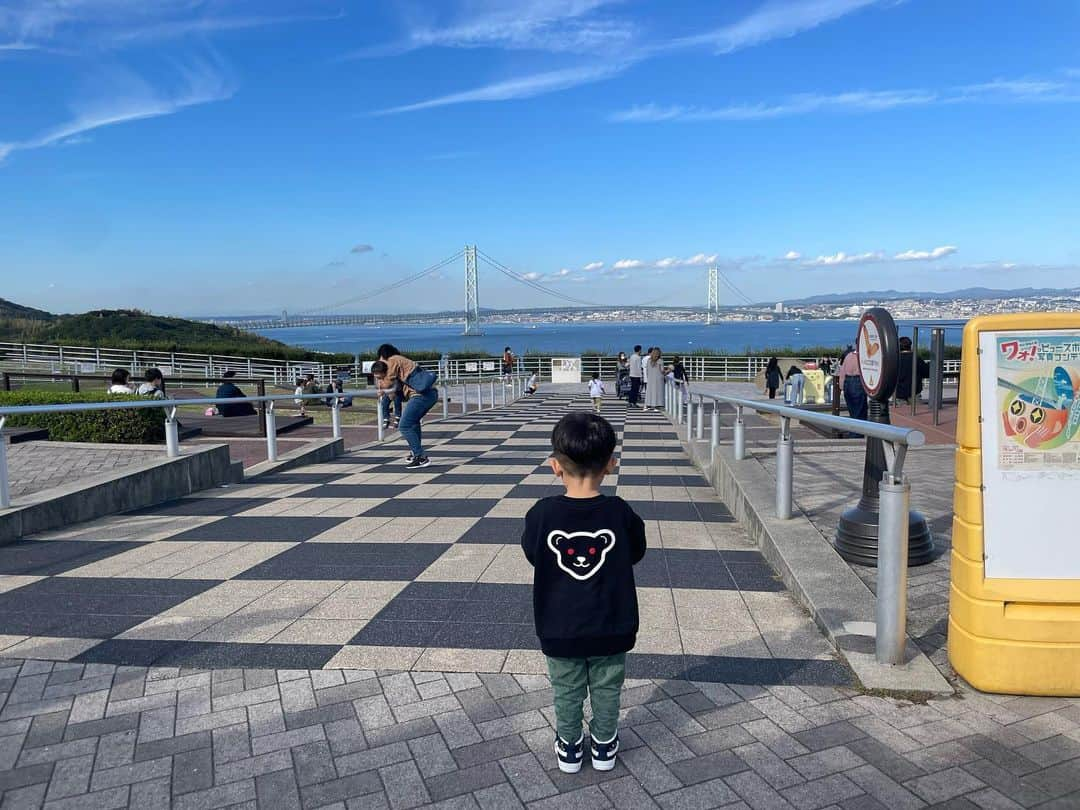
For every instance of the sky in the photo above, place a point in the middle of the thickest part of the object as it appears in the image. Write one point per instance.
(202, 157)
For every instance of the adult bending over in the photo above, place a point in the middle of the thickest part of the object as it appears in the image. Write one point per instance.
(392, 370)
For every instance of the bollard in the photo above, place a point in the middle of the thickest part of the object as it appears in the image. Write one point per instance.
(502, 399)
(172, 434)
(667, 403)
(271, 433)
(714, 427)
(445, 401)
(700, 418)
(891, 609)
(689, 419)
(379, 429)
(5, 489)
(740, 434)
(335, 416)
(784, 458)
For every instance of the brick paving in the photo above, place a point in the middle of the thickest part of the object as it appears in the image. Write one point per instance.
(34, 466)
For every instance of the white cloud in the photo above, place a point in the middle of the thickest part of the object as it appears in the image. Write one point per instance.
(591, 266)
(531, 276)
(925, 255)
(700, 260)
(520, 87)
(669, 262)
(562, 273)
(628, 264)
(792, 255)
(841, 258)
(121, 96)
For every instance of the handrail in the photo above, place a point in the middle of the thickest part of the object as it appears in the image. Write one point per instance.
(172, 438)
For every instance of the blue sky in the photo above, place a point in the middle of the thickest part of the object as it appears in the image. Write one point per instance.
(228, 156)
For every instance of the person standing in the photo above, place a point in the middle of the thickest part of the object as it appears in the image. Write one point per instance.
(635, 370)
(596, 391)
(654, 380)
(507, 365)
(392, 370)
(678, 372)
(904, 388)
(773, 377)
(583, 547)
(851, 384)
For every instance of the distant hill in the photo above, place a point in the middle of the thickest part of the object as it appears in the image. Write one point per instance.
(133, 329)
(976, 293)
(9, 309)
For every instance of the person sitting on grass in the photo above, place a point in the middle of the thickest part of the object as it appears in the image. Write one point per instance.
(120, 382)
(583, 547)
(229, 390)
(153, 386)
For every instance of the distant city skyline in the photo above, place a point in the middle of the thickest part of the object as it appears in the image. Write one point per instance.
(234, 156)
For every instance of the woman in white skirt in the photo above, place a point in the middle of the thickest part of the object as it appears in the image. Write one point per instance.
(654, 381)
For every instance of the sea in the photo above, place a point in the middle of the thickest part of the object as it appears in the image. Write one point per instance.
(584, 338)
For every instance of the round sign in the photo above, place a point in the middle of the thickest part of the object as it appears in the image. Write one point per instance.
(879, 353)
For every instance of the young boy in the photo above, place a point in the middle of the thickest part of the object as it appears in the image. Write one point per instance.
(596, 391)
(583, 546)
(532, 384)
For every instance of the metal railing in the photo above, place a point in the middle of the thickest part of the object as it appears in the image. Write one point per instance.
(894, 488)
(511, 389)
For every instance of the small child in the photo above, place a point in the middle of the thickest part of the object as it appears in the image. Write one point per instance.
(299, 392)
(583, 546)
(532, 384)
(596, 391)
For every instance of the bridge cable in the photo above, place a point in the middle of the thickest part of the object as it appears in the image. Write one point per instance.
(513, 274)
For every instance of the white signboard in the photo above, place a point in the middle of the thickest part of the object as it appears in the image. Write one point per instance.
(566, 369)
(1030, 407)
(870, 355)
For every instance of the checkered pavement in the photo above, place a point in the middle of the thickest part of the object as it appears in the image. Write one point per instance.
(359, 563)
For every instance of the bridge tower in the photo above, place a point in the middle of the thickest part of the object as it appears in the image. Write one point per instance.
(472, 294)
(713, 309)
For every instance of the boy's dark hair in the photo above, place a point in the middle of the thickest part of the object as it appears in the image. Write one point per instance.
(637, 349)
(905, 344)
(386, 351)
(583, 443)
(379, 367)
(596, 375)
(229, 374)
(153, 374)
(121, 376)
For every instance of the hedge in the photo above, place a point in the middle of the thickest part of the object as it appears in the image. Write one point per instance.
(129, 426)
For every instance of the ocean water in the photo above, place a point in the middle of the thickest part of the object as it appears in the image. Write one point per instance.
(571, 339)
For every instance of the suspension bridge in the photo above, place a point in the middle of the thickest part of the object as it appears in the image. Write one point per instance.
(471, 314)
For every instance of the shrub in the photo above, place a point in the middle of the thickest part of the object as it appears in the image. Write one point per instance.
(129, 426)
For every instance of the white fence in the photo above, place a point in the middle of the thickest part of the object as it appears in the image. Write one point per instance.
(62, 360)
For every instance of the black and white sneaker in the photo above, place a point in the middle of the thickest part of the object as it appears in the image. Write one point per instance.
(409, 458)
(603, 753)
(418, 463)
(569, 754)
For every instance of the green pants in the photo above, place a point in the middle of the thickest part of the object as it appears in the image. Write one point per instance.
(602, 679)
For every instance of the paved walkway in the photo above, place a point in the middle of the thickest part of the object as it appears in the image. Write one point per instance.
(349, 636)
(34, 466)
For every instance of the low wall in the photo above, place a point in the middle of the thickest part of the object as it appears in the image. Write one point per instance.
(133, 487)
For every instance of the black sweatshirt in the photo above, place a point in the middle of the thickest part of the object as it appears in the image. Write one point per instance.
(583, 552)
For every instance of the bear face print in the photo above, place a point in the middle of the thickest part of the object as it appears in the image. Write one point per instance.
(581, 554)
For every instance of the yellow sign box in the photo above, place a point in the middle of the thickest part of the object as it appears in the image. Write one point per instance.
(1014, 606)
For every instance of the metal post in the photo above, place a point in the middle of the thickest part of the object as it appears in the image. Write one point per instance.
(335, 416)
(379, 418)
(492, 392)
(172, 434)
(5, 490)
(740, 434)
(914, 366)
(271, 433)
(714, 427)
(700, 418)
(891, 608)
(502, 399)
(667, 401)
(689, 418)
(479, 396)
(445, 401)
(784, 458)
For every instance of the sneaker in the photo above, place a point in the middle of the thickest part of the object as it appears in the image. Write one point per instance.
(603, 754)
(569, 754)
(409, 459)
(417, 463)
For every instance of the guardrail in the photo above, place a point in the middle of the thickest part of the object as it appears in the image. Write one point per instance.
(511, 388)
(894, 488)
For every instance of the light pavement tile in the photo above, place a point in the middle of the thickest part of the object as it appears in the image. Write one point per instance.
(120, 564)
(425, 491)
(776, 611)
(653, 538)
(443, 659)
(670, 494)
(224, 599)
(319, 631)
(169, 628)
(351, 507)
(277, 507)
(492, 491)
(455, 491)
(357, 656)
(10, 641)
(255, 629)
(235, 562)
(316, 507)
(712, 610)
(462, 562)
(545, 478)
(658, 641)
(509, 566)
(730, 537)
(526, 662)
(703, 495)
(351, 531)
(290, 600)
(376, 590)
(145, 528)
(724, 643)
(634, 493)
(444, 530)
(512, 507)
(50, 648)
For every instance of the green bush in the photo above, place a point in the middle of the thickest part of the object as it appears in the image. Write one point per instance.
(128, 426)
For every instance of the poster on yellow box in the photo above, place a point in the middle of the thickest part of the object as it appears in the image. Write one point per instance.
(1030, 404)
(1038, 383)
